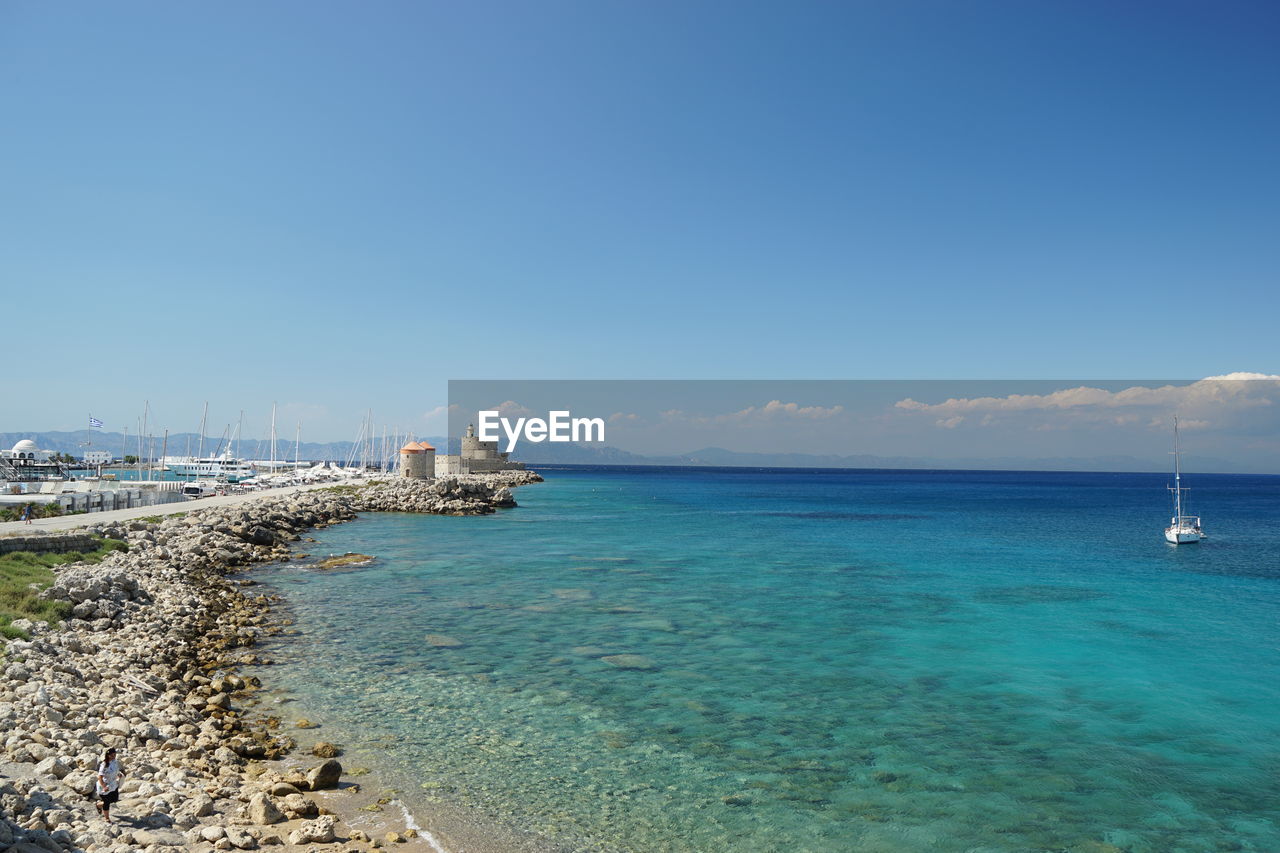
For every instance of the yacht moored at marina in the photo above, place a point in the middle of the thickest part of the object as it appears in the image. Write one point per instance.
(222, 466)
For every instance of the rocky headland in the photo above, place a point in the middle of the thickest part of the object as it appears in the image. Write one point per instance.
(148, 661)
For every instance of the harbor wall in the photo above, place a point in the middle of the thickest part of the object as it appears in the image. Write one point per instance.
(49, 543)
(452, 465)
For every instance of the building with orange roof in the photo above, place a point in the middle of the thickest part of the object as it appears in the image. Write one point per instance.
(418, 461)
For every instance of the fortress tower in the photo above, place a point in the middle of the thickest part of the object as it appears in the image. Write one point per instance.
(476, 457)
(475, 449)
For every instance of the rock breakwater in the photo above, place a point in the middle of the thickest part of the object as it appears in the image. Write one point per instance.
(147, 663)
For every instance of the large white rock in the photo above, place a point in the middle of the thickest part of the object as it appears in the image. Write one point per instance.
(118, 726)
(52, 766)
(261, 810)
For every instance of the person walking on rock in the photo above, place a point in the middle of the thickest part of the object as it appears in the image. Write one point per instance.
(108, 785)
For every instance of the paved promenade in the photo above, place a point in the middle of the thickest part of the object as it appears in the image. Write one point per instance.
(70, 522)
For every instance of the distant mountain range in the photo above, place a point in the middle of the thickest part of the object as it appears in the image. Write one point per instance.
(180, 444)
(548, 453)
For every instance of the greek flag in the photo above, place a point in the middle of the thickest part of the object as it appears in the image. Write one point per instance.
(94, 423)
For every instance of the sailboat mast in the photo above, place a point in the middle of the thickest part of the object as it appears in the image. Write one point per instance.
(1177, 472)
(146, 410)
(203, 418)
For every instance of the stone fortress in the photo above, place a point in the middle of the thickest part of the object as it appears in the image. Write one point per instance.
(419, 460)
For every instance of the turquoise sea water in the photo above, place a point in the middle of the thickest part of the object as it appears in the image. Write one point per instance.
(729, 660)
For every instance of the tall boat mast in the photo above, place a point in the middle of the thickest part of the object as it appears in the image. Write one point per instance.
(204, 417)
(146, 410)
(273, 438)
(1177, 472)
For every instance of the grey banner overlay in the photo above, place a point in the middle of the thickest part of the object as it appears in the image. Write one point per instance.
(1228, 424)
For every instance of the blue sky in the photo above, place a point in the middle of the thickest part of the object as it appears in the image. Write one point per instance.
(340, 206)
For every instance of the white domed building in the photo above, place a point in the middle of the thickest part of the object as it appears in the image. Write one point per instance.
(27, 462)
(26, 449)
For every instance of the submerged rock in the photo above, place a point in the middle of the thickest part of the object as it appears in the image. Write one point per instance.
(443, 641)
(629, 661)
(657, 623)
(343, 561)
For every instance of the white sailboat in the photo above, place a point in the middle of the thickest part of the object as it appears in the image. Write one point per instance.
(1182, 529)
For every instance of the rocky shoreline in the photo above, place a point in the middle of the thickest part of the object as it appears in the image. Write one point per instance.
(147, 663)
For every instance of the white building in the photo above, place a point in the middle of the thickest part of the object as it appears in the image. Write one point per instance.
(26, 462)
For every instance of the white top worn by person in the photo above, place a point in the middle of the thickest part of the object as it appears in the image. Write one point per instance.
(108, 777)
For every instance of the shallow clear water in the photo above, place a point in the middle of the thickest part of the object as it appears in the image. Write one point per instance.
(824, 661)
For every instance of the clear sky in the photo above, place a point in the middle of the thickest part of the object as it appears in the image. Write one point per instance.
(339, 206)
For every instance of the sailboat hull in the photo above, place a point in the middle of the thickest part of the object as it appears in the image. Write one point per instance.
(1182, 537)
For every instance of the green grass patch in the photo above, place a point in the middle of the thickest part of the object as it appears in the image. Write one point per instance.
(20, 569)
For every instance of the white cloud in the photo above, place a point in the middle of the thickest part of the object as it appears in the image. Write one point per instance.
(439, 415)
(781, 409)
(510, 408)
(1202, 403)
(771, 412)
